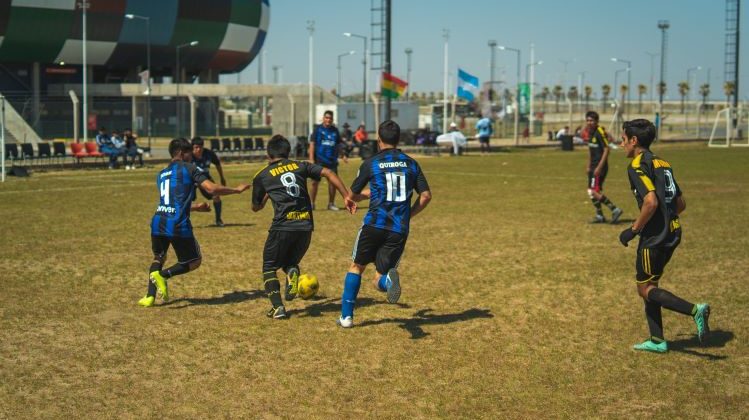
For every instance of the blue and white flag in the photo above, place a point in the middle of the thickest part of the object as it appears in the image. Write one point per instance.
(467, 85)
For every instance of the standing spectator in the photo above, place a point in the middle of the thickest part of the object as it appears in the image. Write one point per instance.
(203, 158)
(485, 130)
(361, 135)
(324, 149)
(132, 148)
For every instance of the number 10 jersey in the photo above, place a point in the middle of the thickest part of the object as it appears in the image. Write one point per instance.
(392, 176)
(285, 182)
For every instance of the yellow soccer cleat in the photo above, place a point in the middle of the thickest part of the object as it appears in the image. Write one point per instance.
(160, 283)
(146, 301)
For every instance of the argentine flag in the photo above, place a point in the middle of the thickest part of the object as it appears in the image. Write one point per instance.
(467, 84)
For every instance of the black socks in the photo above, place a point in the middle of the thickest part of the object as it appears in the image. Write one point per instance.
(272, 288)
(670, 301)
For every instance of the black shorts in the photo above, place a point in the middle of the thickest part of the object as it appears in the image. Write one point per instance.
(333, 167)
(484, 139)
(383, 247)
(187, 249)
(595, 183)
(205, 194)
(285, 249)
(652, 261)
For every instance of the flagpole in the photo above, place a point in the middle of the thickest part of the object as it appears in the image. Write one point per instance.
(446, 35)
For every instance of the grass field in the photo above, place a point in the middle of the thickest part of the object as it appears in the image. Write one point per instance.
(513, 305)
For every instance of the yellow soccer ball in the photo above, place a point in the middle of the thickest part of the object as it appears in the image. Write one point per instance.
(308, 286)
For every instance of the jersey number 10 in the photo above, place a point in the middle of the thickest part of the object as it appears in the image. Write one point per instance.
(396, 185)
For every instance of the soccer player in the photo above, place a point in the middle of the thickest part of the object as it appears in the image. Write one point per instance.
(392, 176)
(284, 182)
(324, 148)
(660, 201)
(203, 158)
(171, 223)
(598, 167)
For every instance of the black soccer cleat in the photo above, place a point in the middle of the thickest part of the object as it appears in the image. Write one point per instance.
(277, 313)
(393, 286)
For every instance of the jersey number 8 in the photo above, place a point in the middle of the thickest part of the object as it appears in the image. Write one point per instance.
(289, 181)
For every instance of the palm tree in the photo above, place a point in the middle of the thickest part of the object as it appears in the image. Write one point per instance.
(683, 90)
(641, 91)
(572, 94)
(605, 92)
(623, 89)
(729, 88)
(558, 92)
(588, 93)
(705, 92)
(545, 93)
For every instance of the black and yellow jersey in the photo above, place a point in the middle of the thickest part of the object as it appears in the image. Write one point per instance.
(285, 182)
(597, 143)
(649, 173)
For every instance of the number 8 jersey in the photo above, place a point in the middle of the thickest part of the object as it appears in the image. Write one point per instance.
(392, 176)
(285, 182)
(649, 173)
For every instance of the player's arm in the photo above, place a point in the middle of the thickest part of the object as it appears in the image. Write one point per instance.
(311, 150)
(338, 184)
(425, 194)
(646, 189)
(681, 204)
(201, 207)
(259, 195)
(359, 190)
(218, 190)
(217, 162)
(257, 207)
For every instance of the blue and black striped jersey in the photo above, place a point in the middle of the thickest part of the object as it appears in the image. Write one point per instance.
(176, 188)
(392, 176)
(327, 144)
(205, 160)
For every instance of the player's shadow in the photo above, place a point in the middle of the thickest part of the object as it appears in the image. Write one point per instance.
(225, 226)
(424, 317)
(624, 221)
(717, 339)
(237, 296)
(324, 304)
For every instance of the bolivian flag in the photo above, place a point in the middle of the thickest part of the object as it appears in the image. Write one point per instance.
(392, 87)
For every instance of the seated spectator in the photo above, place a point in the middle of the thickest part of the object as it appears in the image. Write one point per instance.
(563, 132)
(453, 138)
(108, 147)
(133, 151)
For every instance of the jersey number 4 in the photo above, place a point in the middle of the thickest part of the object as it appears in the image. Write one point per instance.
(396, 185)
(164, 189)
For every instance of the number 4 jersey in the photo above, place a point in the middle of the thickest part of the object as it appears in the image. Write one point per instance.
(285, 182)
(649, 173)
(392, 176)
(176, 186)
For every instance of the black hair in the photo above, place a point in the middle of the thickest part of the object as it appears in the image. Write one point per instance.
(641, 128)
(592, 114)
(179, 145)
(102, 128)
(328, 112)
(278, 147)
(389, 132)
(197, 141)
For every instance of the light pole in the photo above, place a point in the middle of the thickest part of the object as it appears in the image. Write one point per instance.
(364, 75)
(311, 29)
(446, 36)
(84, 5)
(616, 78)
(179, 79)
(338, 92)
(565, 63)
(276, 70)
(689, 80)
(517, 92)
(408, 52)
(629, 75)
(663, 25)
(652, 74)
(517, 51)
(492, 51)
(147, 19)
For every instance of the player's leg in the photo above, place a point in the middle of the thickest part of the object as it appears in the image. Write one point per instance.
(594, 192)
(271, 256)
(159, 246)
(367, 242)
(616, 212)
(387, 261)
(331, 191)
(656, 343)
(189, 258)
(297, 249)
(313, 192)
(217, 208)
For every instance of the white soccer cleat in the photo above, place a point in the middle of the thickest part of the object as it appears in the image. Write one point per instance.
(347, 322)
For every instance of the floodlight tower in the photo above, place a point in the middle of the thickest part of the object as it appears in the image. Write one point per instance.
(733, 17)
(663, 25)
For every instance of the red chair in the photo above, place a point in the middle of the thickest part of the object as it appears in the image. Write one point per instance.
(78, 152)
(93, 150)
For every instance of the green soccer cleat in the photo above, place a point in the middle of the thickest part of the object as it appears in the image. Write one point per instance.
(701, 319)
(652, 346)
(160, 283)
(292, 283)
(146, 301)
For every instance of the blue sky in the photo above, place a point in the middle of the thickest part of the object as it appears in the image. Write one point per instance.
(587, 31)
